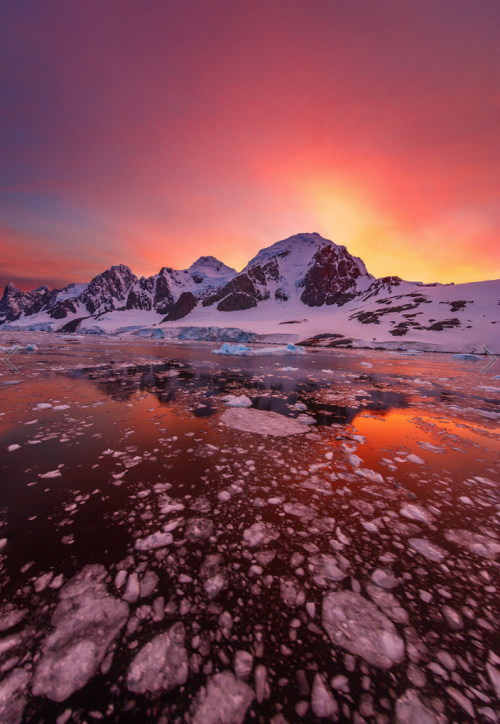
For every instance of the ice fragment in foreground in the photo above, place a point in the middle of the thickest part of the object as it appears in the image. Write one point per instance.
(13, 697)
(481, 545)
(261, 422)
(87, 619)
(411, 710)
(323, 702)
(358, 626)
(157, 540)
(161, 664)
(428, 549)
(225, 700)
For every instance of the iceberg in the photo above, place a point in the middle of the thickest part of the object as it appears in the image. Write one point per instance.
(241, 350)
(467, 357)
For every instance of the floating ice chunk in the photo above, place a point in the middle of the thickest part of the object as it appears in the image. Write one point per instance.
(120, 578)
(199, 529)
(262, 688)
(224, 496)
(481, 545)
(241, 350)
(291, 593)
(42, 582)
(366, 364)
(369, 475)
(262, 423)
(214, 585)
(428, 549)
(148, 584)
(358, 626)
(306, 420)
(161, 664)
(132, 589)
(323, 703)
(388, 603)
(241, 401)
(467, 357)
(415, 459)
(328, 567)
(299, 510)
(11, 448)
(415, 512)
(43, 406)
(13, 696)
(453, 618)
(260, 534)
(288, 369)
(51, 474)
(156, 540)
(87, 619)
(432, 448)
(243, 664)
(300, 406)
(494, 675)
(11, 617)
(224, 700)
(383, 579)
(233, 350)
(461, 700)
(354, 460)
(410, 709)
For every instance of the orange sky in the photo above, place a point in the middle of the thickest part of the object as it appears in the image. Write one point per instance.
(152, 133)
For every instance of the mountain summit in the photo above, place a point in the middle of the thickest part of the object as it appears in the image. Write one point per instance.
(304, 280)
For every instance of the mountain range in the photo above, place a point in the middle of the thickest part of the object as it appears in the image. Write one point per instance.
(306, 281)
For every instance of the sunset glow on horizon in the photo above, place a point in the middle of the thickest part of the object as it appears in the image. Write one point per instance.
(153, 133)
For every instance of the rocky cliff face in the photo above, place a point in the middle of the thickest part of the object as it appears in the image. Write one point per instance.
(305, 266)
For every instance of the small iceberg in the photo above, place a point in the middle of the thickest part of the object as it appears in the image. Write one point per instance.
(467, 357)
(241, 350)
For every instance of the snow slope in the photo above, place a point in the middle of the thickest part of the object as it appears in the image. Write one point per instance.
(295, 290)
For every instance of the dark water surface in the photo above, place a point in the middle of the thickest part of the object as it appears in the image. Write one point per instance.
(356, 563)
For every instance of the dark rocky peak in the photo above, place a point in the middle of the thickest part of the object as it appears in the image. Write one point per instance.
(15, 302)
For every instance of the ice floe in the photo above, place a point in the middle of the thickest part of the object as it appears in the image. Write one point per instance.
(427, 549)
(262, 423)
(241, 350)
(358, 626)
(224, 700)
(161, 664)
(86, 621)
(481, 545)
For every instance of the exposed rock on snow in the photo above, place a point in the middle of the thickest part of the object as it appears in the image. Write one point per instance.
(161, 664)
(262, 423)
(358, 626)
(225, 700)
(87, 619)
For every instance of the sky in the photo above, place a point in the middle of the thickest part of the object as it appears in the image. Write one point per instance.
(151, 132)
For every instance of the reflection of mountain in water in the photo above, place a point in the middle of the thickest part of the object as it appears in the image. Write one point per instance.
(168, 379)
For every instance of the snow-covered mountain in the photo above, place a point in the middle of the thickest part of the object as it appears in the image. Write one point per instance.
(305, 288)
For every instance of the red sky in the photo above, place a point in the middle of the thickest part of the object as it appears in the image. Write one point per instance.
(152, 132)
